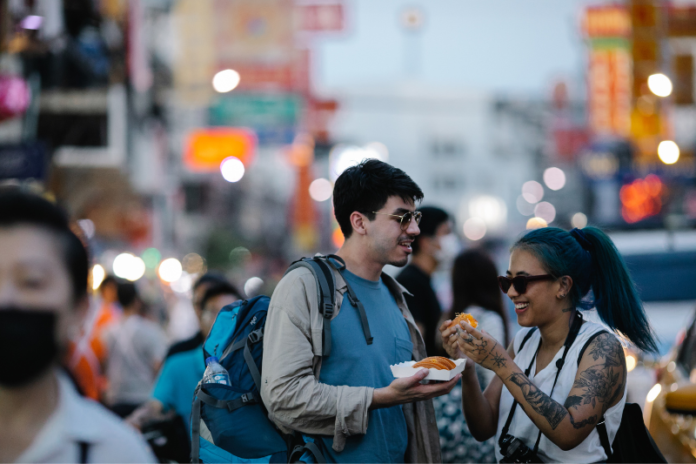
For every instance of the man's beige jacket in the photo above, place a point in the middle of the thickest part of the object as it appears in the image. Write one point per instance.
(296, 400)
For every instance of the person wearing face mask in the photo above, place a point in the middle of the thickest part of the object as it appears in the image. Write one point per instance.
(43, 297)
(428, 254)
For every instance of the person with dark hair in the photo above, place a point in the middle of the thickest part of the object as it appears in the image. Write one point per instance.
(182, 371)
(136, 348)
(567, 375)
(87, 353)
(427, 255)
(43, 296)
(474, 283)
(201, 285)
(349, 400)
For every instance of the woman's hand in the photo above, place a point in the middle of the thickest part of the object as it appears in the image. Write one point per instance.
(479, 347)
(449, 336)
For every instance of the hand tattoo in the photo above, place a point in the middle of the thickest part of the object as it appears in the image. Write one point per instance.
(480, 348)
(539, 401)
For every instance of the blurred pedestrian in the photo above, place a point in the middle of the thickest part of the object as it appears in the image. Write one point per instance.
(475, 291)
(43, 297)
(428, 253)
(199, 288)
(87, 353)
(136, 349)
(567, 375)
(182, 371)
(349, 400)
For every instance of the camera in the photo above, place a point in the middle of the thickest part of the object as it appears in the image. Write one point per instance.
(514, 450)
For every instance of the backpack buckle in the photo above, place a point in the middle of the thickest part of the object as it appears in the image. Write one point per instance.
(247, 397)
(328, 310)
(255, 336)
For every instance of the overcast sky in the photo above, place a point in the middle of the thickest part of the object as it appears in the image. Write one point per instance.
(510, 46)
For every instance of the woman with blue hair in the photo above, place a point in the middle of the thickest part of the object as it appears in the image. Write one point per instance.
(560, 387)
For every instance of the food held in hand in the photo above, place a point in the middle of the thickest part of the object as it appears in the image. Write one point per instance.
(436, 362)
(468, 318)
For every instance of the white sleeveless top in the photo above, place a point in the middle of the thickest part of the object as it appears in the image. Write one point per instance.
(590, 450)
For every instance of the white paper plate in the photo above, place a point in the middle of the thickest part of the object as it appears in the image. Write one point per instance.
(406, 369)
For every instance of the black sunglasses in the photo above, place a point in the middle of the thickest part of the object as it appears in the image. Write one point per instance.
(520, 282)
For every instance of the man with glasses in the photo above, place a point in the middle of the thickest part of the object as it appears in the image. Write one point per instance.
(349, 403)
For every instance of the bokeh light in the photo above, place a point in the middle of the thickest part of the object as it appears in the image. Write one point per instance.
(337, 237)
(239, 256)
(545, 211)
(232, 169)
(524, 207)
(193, 263)
(128, 266)
(579, 220)
(226, 80)
(151, 257)
(252, 287)
(668, 152)
(490, 209)
(98, 274)
(345, 156)
(183, 284)
(170, 270)
(320, 189)
(641, 198)
(474, 228)
(660, 85)
(536, 223)
(554, 178)
(532, 191)
(87, 227)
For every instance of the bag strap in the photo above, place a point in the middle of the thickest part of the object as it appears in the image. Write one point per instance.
(246, 399)
(340, 265)
(196, 427)
(84, 447)
(570, 339)
(309, 447)
(253, 337)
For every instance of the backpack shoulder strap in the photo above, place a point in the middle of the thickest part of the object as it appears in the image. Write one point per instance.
(340, 265)
(326, 294)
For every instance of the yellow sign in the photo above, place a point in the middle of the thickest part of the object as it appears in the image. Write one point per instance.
(207, 148)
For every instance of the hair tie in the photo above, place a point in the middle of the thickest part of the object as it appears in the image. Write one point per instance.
(581, 238)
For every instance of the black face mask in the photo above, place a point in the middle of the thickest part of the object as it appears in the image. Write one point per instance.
(27, 345)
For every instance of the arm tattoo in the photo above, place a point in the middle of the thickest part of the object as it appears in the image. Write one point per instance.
(539, 401)
(498, 360)
(603, 382)
(589, 421)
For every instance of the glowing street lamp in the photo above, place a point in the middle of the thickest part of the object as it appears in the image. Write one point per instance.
(660, 85)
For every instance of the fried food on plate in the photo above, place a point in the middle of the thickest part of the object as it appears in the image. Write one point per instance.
(436, 362)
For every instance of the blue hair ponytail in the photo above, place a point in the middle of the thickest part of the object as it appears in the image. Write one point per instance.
(590, 258)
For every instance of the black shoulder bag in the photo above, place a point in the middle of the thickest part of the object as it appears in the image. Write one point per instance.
(513, 449)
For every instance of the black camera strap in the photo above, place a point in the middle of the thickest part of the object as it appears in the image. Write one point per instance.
(570, 339)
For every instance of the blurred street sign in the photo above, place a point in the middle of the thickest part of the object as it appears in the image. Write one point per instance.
(207, 148)
(289, 76)
(274, 117)
(609, 79)
(681, 20)
(321, 17)
(23, 161)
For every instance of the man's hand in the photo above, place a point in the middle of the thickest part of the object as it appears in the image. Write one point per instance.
(409, 389)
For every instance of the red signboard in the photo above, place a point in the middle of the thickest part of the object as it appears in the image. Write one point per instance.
(323, 17)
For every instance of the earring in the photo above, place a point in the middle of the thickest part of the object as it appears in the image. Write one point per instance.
(561, 296)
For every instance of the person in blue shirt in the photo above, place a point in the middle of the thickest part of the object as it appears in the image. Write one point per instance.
(182, 371)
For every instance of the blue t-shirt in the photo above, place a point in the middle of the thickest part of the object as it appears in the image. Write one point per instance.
(178, 379)
(353, 362)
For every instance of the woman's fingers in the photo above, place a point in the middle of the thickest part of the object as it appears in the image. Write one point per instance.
(474, 333)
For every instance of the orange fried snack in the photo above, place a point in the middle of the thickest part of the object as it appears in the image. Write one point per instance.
(436, 362)
(466, 318)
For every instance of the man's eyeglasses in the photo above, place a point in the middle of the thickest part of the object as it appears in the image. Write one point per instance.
(405, 219)
(520, 282)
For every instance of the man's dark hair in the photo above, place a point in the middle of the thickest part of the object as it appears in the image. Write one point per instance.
(127, 294)
(221, 288)
(19, 208)
(211, 277)
(432, 219)
(367, 187)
